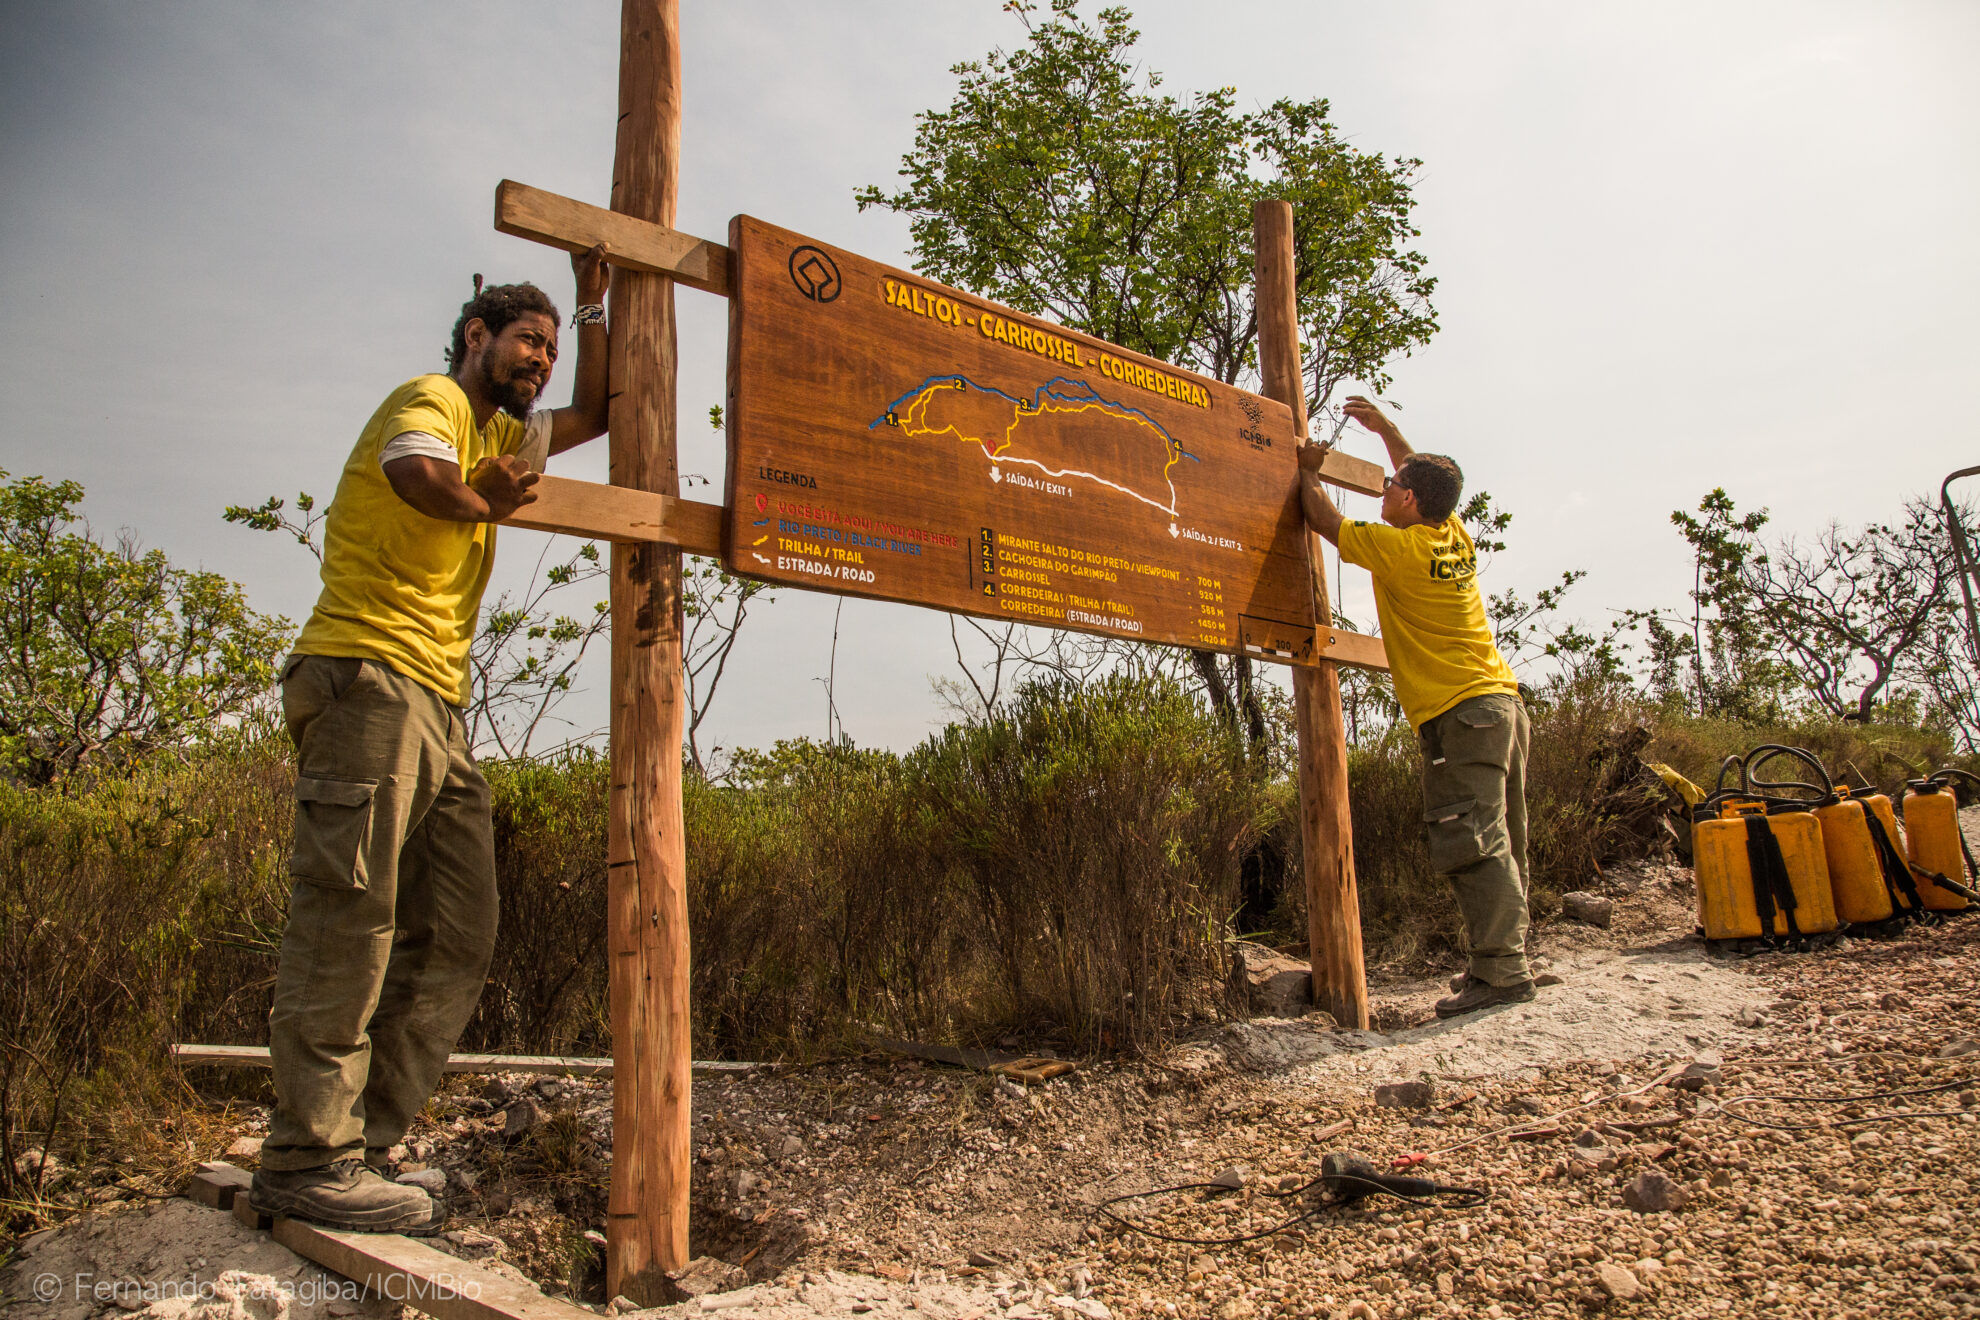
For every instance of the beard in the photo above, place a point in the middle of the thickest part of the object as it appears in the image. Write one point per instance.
(513, 394)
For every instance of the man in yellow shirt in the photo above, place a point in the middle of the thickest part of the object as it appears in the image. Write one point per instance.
(392, 911)
(1456, 691)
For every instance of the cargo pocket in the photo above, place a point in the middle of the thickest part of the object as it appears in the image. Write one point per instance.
(1453, 834)
(333, 822)
(1483, 736)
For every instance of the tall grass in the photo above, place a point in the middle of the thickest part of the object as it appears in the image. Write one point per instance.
(1067, 867)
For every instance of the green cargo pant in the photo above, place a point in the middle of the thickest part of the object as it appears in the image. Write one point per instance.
(392, 914)
(1474, 808)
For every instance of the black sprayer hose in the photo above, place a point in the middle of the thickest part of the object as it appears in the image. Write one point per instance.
(1770, 751)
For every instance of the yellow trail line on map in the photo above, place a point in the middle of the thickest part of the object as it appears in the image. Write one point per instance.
(914, 426)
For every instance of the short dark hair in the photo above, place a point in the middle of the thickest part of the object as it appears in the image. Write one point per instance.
(496, 306)
(1435, 481)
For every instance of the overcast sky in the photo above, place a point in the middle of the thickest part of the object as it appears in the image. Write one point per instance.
(1678, 246)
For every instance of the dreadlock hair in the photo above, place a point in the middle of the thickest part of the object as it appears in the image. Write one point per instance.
(1435, 480)
(496, 306)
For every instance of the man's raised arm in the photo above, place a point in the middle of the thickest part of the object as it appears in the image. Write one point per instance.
(1314, 505)
(1363, 410)
(587, 416)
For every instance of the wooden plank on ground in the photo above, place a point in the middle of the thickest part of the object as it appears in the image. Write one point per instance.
(256, 1056)
(217, 1184)
(249, 1217)
(1034, 1071)
(400, 1269)
(954, 1056)
(389, 1266)
(635, 244)
(616, 513)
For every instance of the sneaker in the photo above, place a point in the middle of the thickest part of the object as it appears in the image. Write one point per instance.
(1479, 994)
(345, 1195)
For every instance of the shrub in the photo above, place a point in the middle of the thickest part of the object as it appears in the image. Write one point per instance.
(546, 979)
(129, 908)
(1098, 832)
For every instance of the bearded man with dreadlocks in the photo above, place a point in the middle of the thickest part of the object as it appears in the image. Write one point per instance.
(392, 911)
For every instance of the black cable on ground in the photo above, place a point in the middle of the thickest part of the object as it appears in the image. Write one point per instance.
(1894, 1116)
(1472, 1198)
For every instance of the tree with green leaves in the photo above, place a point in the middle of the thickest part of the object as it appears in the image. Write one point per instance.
(107, 652)
(1728, 666)
(1063, 181)
(525, 656)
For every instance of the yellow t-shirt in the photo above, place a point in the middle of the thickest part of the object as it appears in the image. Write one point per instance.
(400, 587)
(1433, 623)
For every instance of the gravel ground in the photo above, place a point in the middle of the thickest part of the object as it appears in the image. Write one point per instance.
(884, 1186)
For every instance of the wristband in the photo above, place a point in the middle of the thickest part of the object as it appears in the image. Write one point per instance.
(589, 314)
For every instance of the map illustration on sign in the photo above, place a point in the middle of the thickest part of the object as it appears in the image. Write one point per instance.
(894, 438)
(1056, 434)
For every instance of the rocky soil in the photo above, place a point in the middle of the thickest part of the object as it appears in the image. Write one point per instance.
(1668, 1131)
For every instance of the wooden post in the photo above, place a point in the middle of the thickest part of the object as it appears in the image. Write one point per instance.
(1333, 908)
(646, 1231)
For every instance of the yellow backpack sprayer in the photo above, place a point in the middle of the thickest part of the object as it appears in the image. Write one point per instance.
(1937, 850)
(1868, 874)
(1763, 873)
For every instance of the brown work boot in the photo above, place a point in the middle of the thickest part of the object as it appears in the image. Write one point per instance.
(1479, 994)
(345, 1195)
(1462, 979)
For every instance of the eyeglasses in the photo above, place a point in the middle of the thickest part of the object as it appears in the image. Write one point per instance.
(1388, 482)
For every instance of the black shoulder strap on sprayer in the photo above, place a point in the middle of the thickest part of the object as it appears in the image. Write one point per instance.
(1771, 884)
(1897, 872)
(1945, 775)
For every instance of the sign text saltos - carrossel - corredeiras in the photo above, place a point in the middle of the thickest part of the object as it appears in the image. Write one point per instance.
(892, 437)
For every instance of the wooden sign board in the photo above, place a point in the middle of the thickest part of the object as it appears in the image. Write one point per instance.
(895, 438)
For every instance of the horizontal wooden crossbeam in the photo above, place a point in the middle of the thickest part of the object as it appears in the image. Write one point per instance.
(1353, 648)
(618, 513)
(1351, 473)
(563, 222)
